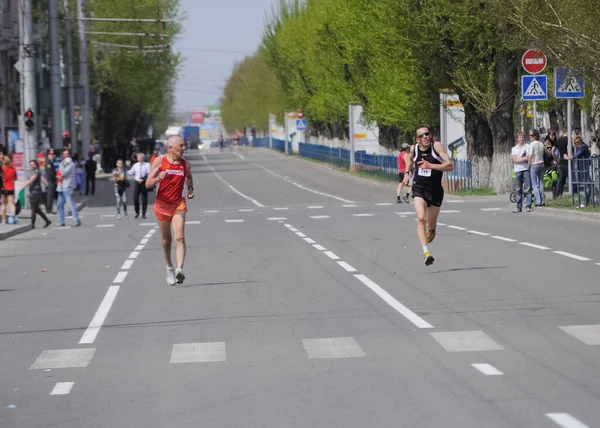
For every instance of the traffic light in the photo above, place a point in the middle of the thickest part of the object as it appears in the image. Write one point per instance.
(29, 124)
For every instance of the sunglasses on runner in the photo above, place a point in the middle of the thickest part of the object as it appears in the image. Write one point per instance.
(425, 134)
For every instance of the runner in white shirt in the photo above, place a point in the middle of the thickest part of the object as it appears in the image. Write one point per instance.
(140, 169)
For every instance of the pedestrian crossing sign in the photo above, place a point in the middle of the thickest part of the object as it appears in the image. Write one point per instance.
(569, 83)
(534, 87)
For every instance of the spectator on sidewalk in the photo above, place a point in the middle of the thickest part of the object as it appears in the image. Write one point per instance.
(537, 167)
(8, 191)
(401, 171)
(35, 193)
(90, 175)
(65, 186)
(50, 175)
(140, 170)
(581, 169)
(563, 164)
(520, 158)
(121, 185)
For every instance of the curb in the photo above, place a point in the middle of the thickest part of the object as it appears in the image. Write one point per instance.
(22, 229)
(568, 214)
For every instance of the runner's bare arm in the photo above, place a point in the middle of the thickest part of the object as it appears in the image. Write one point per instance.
(408, 159)
(154, 175)
(447, 165)
(189, 181)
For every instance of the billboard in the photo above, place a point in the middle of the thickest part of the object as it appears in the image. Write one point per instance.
(366, 134)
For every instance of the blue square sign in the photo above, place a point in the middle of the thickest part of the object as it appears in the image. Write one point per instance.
(301, 124)
(569, 83)
(534, 88)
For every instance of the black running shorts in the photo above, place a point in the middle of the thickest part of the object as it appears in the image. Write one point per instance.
(400, 177)
(433, 196)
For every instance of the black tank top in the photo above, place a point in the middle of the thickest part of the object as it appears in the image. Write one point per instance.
(427, 177)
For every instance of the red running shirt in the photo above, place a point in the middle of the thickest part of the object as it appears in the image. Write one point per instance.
(10, 174)
(170, 189)
(401, 163)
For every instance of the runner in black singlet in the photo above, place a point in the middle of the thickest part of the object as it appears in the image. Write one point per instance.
(430, 160)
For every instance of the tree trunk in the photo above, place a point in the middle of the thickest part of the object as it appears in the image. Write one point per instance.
(501, 119)
(480, 145)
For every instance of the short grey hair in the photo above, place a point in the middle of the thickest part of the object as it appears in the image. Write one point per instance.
(141, 154)
(170, 140)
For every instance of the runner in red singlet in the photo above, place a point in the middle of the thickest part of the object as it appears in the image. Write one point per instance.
(172, 172)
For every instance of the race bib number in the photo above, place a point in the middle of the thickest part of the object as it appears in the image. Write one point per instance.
(425, 172)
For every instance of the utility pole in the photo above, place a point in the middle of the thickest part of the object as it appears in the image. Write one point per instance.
(27, 60)
(84, 80)
(55, 89)
(70, 79)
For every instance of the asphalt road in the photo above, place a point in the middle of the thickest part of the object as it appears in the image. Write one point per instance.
(306, 304)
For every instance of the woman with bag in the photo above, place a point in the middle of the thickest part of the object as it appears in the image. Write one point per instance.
(35, 193)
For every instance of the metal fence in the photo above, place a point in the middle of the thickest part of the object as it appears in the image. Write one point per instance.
(585, 180)
(384, 167)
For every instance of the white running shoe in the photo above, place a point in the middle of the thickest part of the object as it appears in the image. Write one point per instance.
(179, 276)
(171, 276)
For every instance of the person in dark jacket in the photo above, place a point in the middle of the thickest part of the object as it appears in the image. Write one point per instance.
(90, 175)
(50, 174)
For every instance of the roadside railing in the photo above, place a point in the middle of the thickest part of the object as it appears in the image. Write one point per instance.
(585, 179)
(383, 167)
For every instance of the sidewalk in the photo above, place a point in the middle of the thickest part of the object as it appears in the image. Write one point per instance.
(102, 187)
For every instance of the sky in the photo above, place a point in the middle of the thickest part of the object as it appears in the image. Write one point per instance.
(215, 35)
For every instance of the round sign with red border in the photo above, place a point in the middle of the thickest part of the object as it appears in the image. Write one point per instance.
(534, 62)
(299, 114)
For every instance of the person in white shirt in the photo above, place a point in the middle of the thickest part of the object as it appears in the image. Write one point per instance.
(536, 166)
(140, 169)
(520, 158)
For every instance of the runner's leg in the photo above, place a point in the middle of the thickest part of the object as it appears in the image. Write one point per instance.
(432, 217)
(421, 210)
(179, 232)
(165, 231)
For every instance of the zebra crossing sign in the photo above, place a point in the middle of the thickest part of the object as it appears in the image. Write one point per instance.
(534, 88)
(569, 83)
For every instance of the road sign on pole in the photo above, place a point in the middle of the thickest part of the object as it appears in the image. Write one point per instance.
(569, 83)
(301, 124)
(534, 88)
(534, 62)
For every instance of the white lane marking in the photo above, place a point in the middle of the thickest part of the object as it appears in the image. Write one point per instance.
(319, 247)
(363, 215)
(474, 232)
(502, 238)
(147, 224)
(104, 225)
(346, 266)
(234, 220)
(331, 255)
(89, 336)
(399, 307)
(529, 244)
(62, 227)
(588, 334)
(315, 207)
(208, 352)
(310, 241)
(277, 218)
(134, 254)
(63, 359)
(457, 227)
(332, 347)
(211, 211)
(572, 256)
(349, 206)
(384, 204)
(293, 229)
(108, 215)
(597, 264)
(62, 388)
(301, 235)
(442, 224)
(254, 201)
(466, 341)
(289, 226)
(193, 222)
(139, 247)
(246, 210)
(280, 209)
(406, 213)
(144, 241)
(449, 211)
(127, 264)
(317, 217)
(487, 369)
(565, 420)
(491, 209)
(120, 278)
